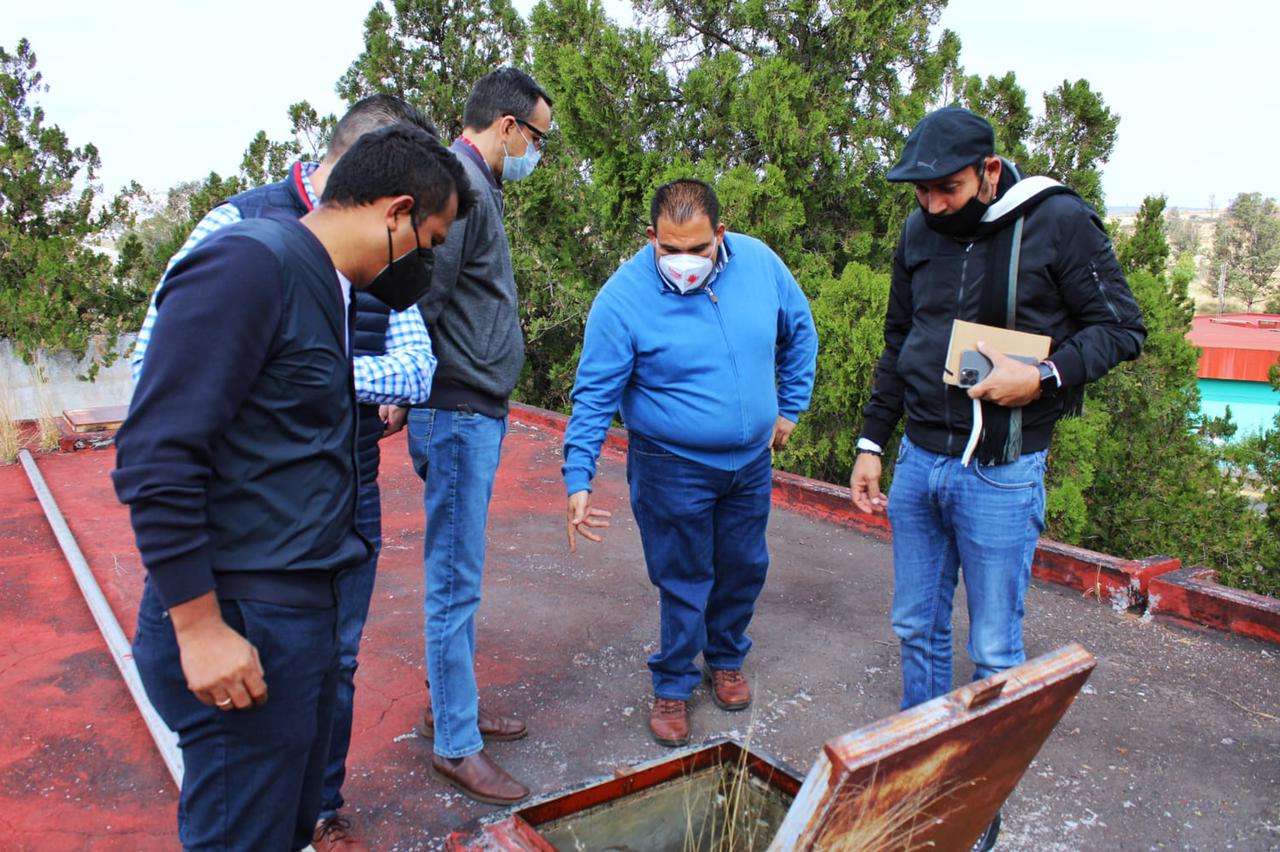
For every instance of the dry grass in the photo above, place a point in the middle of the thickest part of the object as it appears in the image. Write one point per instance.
(10, 432)
(727, 821)
(893, 828)
(47, 434)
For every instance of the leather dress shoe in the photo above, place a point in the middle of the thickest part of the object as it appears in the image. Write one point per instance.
(494, 728)
(730, 689)
(335, 834)
(669, 721)
(478, 776)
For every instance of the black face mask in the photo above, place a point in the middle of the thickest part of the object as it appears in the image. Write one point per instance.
(405, 279)
(961, 223)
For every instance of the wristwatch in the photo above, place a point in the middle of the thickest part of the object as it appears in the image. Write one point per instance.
(1049, 379)
(866, 446)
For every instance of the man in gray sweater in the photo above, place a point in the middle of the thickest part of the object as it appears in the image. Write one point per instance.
(455, 437)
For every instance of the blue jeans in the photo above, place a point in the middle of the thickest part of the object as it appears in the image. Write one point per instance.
(252, 777)
(355, 590)
(456, 454)
(703, 533)
(945, 516)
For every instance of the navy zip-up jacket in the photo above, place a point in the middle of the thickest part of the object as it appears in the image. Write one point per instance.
(286, 200)
(237, 459)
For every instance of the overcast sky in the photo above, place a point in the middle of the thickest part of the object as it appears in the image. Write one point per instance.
(169, 90)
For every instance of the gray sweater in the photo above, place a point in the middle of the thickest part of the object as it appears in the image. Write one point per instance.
(471, 309)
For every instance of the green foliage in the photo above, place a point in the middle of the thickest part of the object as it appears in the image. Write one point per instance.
(1077, 135)
(1246, 249)
(789, 112)
(311, 131)
(266, 161)
(1258, 459)
(430, 52)
(1183, 233)
(1156, 488)
(1071, 473)
(794, 113)
(145, 249)
(1146, 248)
(56, 285)
(1004, 103)
(848, 312)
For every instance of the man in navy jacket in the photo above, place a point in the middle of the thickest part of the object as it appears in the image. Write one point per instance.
(393, 366)
(238, 463)
(705, 344)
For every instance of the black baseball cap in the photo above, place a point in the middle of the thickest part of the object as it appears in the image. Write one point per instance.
(944, 142)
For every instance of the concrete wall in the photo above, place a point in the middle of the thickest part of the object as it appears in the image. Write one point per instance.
(28, 398)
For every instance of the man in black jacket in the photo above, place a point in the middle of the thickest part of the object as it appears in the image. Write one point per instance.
(977, 223)
(238, 463)
(987, 247)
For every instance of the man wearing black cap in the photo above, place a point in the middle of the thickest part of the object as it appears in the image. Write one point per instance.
(991, 247)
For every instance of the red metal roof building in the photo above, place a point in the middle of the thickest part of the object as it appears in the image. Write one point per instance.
(1240, 347)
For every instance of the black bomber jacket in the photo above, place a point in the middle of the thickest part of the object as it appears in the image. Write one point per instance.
(1070, 287)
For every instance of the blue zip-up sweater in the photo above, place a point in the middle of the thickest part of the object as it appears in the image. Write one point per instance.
(703, 374)
(237, 460)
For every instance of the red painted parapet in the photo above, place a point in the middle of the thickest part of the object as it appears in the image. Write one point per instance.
(1121, 582)
(1160, 582)
(554, 421)
(1193, 595)
(824, 501)
(798, 493)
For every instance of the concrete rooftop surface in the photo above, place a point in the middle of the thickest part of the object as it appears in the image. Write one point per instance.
(1173, 744)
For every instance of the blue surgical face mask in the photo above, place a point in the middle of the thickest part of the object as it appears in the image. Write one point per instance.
(519, 168)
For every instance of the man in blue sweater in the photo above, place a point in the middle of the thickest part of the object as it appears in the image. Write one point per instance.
(238, 463)
(705, 344)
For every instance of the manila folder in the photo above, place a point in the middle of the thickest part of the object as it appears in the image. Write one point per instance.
(965, 336)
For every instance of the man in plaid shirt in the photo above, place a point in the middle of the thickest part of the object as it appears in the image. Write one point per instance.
(393, 367)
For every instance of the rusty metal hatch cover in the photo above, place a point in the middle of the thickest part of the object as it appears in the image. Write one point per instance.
(931, 777)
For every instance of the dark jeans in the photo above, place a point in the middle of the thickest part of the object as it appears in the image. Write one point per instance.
(355, 589)
(252, 777)
(703, 533)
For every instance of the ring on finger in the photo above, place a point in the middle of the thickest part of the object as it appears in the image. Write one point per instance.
(224, 703)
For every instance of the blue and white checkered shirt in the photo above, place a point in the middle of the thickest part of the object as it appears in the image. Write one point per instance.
(400, 377)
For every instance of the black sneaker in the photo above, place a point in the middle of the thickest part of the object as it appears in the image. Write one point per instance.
(987, 839)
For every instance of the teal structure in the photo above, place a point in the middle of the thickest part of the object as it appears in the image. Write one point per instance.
(1254, 405)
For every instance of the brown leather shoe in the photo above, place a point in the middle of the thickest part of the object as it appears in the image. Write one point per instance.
(494, 728)
(730, 689)
(336, 835)
(669, 721)
(481, 778)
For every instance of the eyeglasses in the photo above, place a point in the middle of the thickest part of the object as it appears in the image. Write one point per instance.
(539, 138)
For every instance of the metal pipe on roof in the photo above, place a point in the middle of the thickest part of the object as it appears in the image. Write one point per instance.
(165, 739)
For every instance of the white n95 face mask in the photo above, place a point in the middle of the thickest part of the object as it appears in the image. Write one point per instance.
(685, 272)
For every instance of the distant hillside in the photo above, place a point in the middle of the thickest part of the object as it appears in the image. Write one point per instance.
(1198, 224)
